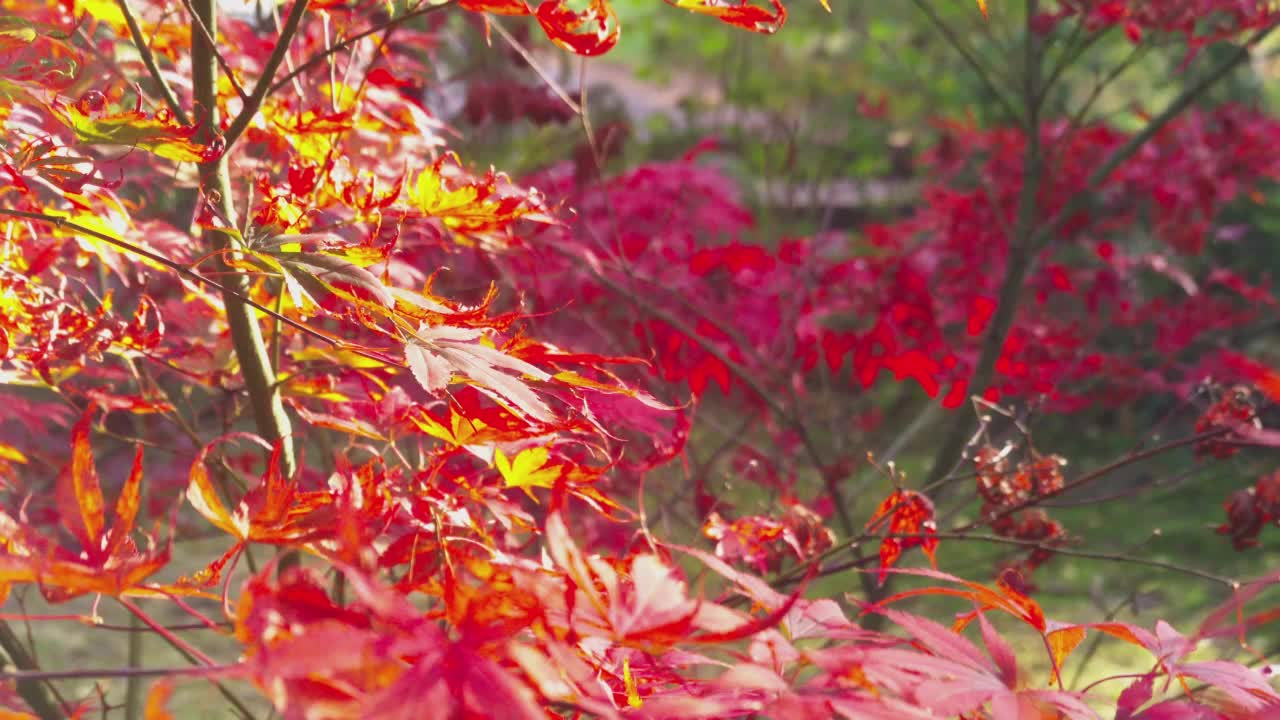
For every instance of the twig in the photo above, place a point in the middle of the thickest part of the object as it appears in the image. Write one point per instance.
(205, 664)
(422, 9)
(539, 71)
(187, 272)
(149, 59)
(29, 675)
(1020, 264)
(963, 531)
(177, 642)
(33, 690)
(1040, 545)
(1095, 641)
(218, 56)
(743, 375)
(1135, 143)
(1098, 473)
(264, 84)
(969, 57)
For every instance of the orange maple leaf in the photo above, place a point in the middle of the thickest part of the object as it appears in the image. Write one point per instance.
(108, 561)
(909, 513)
(740, 14)
(273, 511)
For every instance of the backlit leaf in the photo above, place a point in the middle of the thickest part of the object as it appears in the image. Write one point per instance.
(436, 352)
(1062, 642)
(79, 490)
(593, 31)
(528, 469)
(157, 707)
(157, 134)
(908, 513)
(739, 13)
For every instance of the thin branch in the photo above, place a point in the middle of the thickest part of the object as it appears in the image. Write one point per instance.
(34, 690)
(171, 628)
(1135, 143)
(1095, 641)
(29, 675)
(1020, 264)
(970, 58)
(423, 9)
(177, 642)
(1093, 475)
(793, 574)
(1086, 554)
(217, 56)
(205, 664)
(743, 375)
(1113, 74)
(63, 223)
(543, 75)
(264, 84)
(1071, 51)
(149, 59)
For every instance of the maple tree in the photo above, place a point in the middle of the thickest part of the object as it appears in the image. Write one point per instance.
(237, 247)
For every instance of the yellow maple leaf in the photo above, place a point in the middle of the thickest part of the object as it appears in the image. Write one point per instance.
(528, 469)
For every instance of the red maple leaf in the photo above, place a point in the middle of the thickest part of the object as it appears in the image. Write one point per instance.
(910, 514)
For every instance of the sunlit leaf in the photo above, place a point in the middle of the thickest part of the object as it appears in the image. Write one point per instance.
(1062, 642)
(80, 492)
(529, 469)
(435, 353)
(157, 134)
(739, 13)
(590, 32)
(909, 514)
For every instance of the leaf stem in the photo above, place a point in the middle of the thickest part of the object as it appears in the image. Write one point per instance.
(204, 662)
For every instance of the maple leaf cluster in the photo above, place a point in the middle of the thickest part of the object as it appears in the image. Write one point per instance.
(1200, 22)
(1236, 414)
(1250, 509)
(1231, 423)
(1006, 491)
(761, 541)
(910, 523)
(719, 314)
